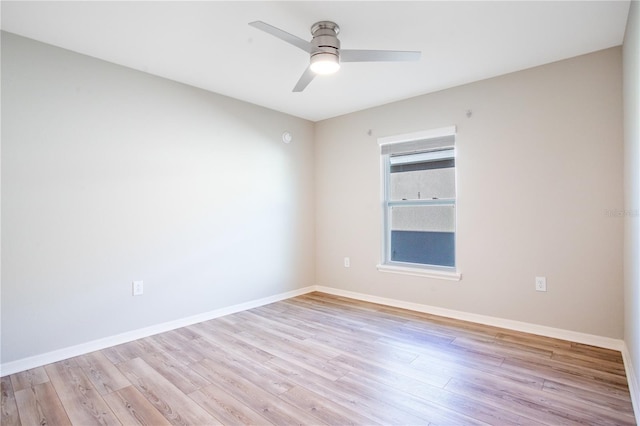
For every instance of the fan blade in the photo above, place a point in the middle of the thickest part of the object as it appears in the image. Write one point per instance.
(305, 79)
(350, 55)
(283, 35)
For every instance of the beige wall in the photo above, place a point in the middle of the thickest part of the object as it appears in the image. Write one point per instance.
(110, 175)
(631, 63)
(539, 166)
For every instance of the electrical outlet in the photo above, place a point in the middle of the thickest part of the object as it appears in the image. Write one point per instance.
(138, 288)
(347, 262)
(541, 284)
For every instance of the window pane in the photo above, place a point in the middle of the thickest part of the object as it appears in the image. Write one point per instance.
(421, 183)
(423, 234)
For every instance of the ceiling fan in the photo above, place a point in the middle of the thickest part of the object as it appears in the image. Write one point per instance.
(325, 53)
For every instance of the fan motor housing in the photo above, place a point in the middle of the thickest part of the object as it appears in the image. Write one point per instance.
(325, 38)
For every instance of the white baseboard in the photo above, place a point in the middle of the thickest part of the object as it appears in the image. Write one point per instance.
(541, 330)
(634, 386)
(96, 345)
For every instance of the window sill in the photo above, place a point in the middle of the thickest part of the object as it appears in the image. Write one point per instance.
(419, 272)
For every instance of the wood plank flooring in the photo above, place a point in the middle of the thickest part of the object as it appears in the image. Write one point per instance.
(319, 359)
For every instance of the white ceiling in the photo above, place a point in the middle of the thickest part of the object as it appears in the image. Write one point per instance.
(208, 44)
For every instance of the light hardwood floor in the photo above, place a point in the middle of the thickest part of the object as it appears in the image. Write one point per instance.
(320, 359)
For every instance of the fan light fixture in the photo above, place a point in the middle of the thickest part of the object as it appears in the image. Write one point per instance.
(324, 63)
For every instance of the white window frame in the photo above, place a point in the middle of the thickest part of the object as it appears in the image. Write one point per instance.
(425, 140)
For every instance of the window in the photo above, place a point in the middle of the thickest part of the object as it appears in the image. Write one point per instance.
(419, 203)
